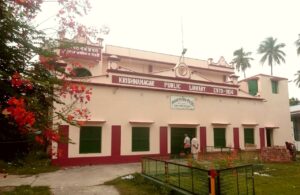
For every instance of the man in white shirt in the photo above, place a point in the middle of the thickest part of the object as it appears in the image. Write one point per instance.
(195, 148)
(187, 144)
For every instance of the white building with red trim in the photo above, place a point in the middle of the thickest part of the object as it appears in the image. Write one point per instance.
(144, 102)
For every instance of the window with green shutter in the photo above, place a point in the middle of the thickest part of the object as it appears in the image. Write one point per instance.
(90, 139)
(140, 139)
(219, 137)
(253, 87)
(249, 135)
(274, 86)
(81, 72)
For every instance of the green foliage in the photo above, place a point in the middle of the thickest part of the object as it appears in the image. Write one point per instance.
(20, 42)
(294, 101)
(242, 60)
(282, 178)
(26, 190)
(271, 52)
(34, 163)
(297, 43)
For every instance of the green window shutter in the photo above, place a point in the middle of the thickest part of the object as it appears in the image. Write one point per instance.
(90, 139)
(219, 137)
(249, 135)
(81, 72)
(274, 86)
(253, 87)
(140, 139)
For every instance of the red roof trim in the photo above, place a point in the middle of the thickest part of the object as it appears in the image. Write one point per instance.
(166, 90)
(169, 78)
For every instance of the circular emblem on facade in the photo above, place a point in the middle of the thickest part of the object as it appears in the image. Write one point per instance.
(182, 70)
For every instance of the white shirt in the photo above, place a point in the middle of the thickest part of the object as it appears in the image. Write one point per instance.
(187, 142)
(195, 146)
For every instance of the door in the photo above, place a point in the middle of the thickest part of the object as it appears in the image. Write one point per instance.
(269, 133)
(177, 137)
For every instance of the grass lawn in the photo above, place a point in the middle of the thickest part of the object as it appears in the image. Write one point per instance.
(25, 190)
(283, 179)
(34, 163)
(272, 179)
(28, 168)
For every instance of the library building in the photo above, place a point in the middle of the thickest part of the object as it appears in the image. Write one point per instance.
(143, 103)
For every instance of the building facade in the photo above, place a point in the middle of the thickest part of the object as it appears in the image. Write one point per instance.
(295, 117)
(144, 102)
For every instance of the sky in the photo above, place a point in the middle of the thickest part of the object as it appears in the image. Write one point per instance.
(207, 28)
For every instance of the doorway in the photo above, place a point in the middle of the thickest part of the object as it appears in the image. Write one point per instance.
(177, 137)
(269, 133)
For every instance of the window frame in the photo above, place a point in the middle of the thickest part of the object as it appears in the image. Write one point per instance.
(217, 140)
(86, 142)
(81, 72)
(138, 142)
(246, 134)
(274, 86)
(253, 87)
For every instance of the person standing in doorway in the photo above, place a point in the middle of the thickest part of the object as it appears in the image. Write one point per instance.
(195, 148)
(187, 144)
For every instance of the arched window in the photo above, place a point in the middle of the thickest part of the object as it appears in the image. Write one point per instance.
(81, 72)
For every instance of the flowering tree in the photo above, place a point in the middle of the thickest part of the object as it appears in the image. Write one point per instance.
(29, 88)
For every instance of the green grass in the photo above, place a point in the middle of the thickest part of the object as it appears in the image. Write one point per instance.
(25, 190)
(284, 178)
(39, 166)
(34, 163)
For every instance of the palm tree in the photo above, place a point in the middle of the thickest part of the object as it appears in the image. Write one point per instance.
(298, 44)
(297, 80)
(242, 60)
(271, 51)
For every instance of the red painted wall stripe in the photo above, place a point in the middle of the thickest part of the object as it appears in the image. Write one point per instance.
(100, 160)
(262, 137)
(163, 141)
(236, 138)
(63, 147)
(202, 139)
(115, 140)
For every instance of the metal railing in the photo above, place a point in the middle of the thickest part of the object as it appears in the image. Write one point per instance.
(193, 180)
(235, 180)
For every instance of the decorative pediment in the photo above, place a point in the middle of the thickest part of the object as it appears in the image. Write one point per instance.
(182, 70)
(222, 62)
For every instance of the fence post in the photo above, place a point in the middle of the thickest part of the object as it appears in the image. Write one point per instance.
(192, 179)
(218, 183)
(143, 161)
(166, 172)
(212, 174)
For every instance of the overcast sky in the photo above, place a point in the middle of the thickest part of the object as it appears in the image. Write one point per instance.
(211, 28)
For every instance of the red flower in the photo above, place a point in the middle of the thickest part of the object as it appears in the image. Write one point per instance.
(16, 80)
(17, 111)
(39, 140)
(70, 118)
(51, 135)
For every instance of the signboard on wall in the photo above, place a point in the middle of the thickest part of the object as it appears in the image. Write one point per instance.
(174, 86)
(182, 103)
(86, 52)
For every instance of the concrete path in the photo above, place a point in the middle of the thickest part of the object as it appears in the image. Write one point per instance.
(86, 180)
